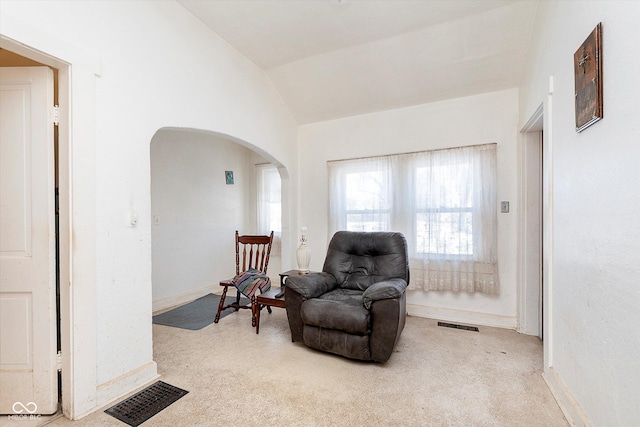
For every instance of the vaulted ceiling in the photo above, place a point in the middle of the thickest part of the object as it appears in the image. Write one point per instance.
(337, 58)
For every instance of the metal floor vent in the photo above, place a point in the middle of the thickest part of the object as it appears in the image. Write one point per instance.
(455, 326)
(146, 403)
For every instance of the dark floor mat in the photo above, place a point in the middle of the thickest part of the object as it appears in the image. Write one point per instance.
(197, 314)
(146, 403)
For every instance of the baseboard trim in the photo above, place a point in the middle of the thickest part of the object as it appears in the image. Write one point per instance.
(462, 316)
(568, 405)
(182, 298)
(116, 389)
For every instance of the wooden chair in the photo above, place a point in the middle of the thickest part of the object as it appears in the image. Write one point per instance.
(254, 252)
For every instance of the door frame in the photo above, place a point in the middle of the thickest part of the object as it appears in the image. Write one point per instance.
(530, 313)
(77, 70)
(540, 122)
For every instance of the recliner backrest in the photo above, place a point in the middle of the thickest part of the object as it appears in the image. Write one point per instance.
(359, 259)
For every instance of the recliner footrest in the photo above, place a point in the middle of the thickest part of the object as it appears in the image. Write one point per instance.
(337, 342)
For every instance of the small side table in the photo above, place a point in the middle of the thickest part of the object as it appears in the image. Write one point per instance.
(284, 275)
(274, 297)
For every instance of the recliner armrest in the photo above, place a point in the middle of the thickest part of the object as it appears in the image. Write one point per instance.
(388, 289)
(311, 285)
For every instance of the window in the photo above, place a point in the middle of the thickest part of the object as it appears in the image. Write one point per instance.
(269, 206)
(443, 201)
(361, 195)
(368, 207)
(444, 214)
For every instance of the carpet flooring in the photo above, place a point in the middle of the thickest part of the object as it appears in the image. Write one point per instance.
(436, 377)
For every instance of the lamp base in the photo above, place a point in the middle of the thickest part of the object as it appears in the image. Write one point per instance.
(303, 257)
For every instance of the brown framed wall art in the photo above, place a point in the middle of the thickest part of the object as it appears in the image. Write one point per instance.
(587, 65)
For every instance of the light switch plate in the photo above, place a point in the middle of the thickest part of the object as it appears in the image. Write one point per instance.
(133, 220)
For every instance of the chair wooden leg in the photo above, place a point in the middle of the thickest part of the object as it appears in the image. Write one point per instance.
(220, 305)
(257, 310)
(254, 304)
(237, 300)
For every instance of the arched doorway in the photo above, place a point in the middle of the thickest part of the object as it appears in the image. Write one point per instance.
(203, 188)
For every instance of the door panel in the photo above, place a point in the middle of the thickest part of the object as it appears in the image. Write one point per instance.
(28, 376)
(15, 170)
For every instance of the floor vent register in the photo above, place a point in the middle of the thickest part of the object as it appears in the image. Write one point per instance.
(145, 404)
(455, 326)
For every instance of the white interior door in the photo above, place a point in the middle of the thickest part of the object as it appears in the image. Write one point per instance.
(28, 375)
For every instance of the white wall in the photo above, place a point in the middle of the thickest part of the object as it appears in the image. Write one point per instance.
(592, 341)
(160, 67)
(487, 118)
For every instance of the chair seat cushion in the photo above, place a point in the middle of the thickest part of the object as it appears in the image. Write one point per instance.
(346, 296)
(337, 310)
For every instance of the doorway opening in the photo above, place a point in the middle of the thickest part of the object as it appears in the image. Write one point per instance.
(76, 164)
(209, 181)
(534, 177)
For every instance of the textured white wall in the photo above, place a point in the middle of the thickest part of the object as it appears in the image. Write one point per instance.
(161, 67)
(481, 119)
(592, 340)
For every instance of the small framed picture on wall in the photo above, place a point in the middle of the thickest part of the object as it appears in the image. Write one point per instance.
(228, 176)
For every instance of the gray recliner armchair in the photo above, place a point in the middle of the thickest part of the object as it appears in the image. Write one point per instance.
(356, 307)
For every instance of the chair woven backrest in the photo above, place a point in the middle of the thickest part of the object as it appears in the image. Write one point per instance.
(253, 251)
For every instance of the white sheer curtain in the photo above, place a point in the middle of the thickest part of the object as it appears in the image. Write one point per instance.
(362, 194)
(456, 221)
(269, 204)
(443, 201)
